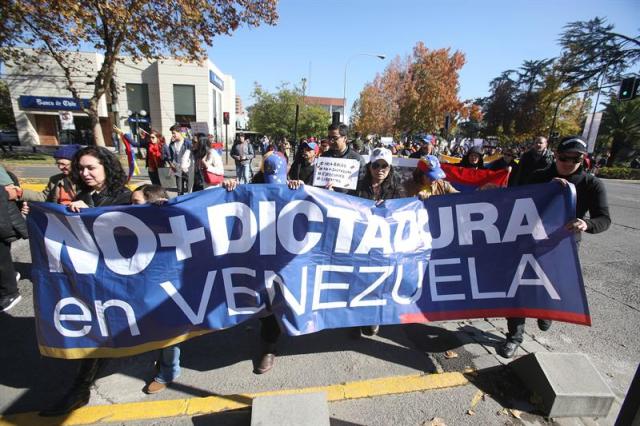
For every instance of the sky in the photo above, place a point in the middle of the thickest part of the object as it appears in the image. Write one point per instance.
(314, 39)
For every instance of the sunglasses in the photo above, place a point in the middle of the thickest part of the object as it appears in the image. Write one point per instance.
(376, 166)
(574, 160)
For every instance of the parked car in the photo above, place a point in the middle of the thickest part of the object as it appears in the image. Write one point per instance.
(9, 137)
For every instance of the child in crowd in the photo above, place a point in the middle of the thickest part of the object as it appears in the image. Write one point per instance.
(168, 364)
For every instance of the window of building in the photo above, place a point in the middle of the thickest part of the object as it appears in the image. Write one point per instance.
(184, 103)
(137, 97)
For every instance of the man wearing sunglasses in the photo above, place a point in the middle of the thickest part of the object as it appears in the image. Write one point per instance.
(338, 148)
(590, 197)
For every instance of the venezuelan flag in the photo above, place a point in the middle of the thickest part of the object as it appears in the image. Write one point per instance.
(465, 179)
(133, 166)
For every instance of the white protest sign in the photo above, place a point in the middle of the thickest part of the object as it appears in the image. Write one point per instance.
(386, 141)
(199, 127)
(66, 120)
(340, 172)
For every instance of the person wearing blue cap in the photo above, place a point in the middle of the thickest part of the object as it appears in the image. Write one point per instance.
(303, 167)
(429, 179)
(273, 170)
(60, 189)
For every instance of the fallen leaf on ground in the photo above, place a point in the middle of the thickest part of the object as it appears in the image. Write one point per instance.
(476, 398)
(450, 354)
(516, 413)
(436, 421)
(471, 412)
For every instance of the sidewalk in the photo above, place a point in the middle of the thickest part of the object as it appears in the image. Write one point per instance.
(414, 365)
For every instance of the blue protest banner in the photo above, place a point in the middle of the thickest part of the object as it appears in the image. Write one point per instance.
(117, 281)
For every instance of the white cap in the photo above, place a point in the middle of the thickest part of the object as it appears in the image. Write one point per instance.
(381, 154)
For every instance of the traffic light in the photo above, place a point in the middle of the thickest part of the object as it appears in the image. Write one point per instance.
(628, 89)
(225, 118)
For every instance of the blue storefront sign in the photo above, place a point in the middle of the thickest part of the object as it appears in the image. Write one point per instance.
(51, 103)
(215, 80)
(146, 120)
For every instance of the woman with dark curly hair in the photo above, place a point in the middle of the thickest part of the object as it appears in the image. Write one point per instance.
(100, 179)
(101, 182)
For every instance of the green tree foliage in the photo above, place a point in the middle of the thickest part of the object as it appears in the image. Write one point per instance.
(592, 49)
(142, 29)
(7, 119)
(522, 104)
(274, 113)
(621, 127)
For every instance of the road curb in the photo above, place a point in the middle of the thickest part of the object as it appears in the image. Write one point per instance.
(134, 411)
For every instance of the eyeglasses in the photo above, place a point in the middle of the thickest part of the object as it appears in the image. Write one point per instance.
(376, 166)
(334, 138)
(574, 160)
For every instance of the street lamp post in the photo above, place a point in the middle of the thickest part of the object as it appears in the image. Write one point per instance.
(344, 96)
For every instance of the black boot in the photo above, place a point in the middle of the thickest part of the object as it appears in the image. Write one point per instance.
(79, 394)
(544, 324)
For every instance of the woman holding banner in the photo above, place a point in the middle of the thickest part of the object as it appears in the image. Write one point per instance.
(380, 182)
(101, 182)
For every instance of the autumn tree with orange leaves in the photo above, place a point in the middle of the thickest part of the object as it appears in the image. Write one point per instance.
(142, 29)
(414, 95)
(377, 109)
(430, 89)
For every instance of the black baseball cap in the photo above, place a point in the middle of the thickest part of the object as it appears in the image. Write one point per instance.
(572, 144)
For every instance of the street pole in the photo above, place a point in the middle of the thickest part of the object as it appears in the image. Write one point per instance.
(226, 142)
(344, 93)
(295, 125)
(555, 114)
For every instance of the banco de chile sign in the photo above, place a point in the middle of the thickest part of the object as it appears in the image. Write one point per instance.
(50, 103)
(216, 80)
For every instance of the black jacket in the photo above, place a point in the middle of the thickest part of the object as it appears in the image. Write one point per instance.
(590, 197)
(389, 189)
(12, 224)
(530, 162)
(300, 170)
(106, 198)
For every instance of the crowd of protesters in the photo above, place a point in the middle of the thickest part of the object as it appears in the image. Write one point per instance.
(93, 177)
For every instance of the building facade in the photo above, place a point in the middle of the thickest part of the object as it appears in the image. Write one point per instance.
(152, 95)
(330, 104)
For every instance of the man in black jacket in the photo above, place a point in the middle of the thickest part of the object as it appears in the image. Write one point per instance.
(339, 149)
(12, 228)
(539, 157)
(302, 168)
(590, 197)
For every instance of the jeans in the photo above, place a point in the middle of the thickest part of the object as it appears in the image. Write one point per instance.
(8, 284)
(243, 172)
(169, 362)
(182, 184)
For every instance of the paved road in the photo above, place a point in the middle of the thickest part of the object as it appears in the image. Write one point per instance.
(222, 363)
